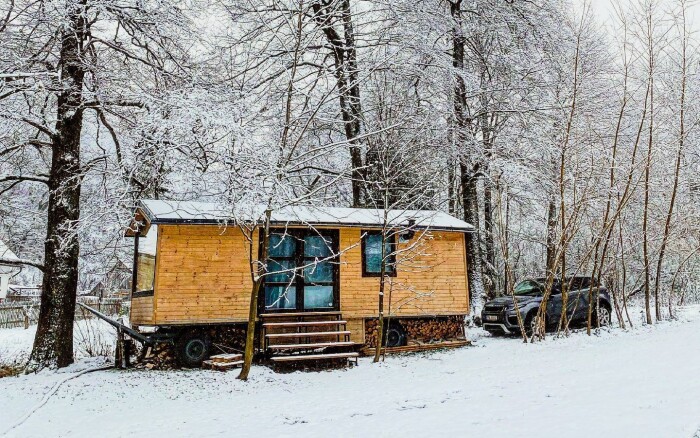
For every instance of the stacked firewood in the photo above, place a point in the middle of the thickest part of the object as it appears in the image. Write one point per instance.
(420, 329)
(371, 326)
(436, 329)
(158, 357)
(230, 338)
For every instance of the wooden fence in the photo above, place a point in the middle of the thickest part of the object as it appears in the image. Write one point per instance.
(18, 315)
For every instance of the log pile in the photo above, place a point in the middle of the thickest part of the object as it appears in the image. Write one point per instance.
(421, 330)
(223, 362)
(371, 332)
(158, 357)
(437, 329)
(230, 338)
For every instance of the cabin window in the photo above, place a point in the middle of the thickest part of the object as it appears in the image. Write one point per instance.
(280, 285)
(372, 254)
(301, 270)
(318, 273)
(146, 260)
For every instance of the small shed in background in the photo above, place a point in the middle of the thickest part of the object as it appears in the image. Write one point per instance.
(6, 270)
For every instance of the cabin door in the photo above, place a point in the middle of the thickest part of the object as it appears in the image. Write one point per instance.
(302, 272)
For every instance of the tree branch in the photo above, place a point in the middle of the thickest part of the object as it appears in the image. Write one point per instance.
(22, 262)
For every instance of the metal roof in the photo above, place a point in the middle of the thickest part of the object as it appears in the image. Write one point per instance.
(190, 212)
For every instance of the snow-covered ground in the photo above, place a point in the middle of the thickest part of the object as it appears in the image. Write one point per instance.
(640, 383)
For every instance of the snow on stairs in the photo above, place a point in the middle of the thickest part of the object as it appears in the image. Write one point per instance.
(307, 336)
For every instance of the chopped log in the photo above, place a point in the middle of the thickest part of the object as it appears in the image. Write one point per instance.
(221, 366)
(223, 358)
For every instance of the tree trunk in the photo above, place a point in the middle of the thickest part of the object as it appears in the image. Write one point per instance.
(552, 221)
(677, 169)
(53, 343)
(257, 271)
(489, 261)
(346, 73)
(647, 176)
(471, 216)
(468, 178)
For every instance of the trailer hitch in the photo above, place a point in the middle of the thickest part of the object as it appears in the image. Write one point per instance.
(120, 327)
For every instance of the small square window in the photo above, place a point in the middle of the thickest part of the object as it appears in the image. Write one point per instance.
(372, 254)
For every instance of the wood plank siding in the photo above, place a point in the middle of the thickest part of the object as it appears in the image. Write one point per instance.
(431, 277)
(202, 276)
(142, 311)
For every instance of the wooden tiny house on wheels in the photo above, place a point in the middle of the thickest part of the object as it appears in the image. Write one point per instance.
(319, 296)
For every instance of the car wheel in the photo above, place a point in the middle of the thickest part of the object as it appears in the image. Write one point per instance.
(531, 323)
(603, 315)
(395, 336)
(192, 348)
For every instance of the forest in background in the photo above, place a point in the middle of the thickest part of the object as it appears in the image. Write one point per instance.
(572, 148)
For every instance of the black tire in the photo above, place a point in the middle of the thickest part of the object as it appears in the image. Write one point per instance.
(603, 317)
(394, 335)
(192, 348)
(529, 321)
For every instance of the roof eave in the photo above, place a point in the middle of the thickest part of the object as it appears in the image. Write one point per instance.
(176, 221)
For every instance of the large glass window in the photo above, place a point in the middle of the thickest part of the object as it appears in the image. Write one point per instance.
(301, 270)
(280, 284)
(318, 272)
(372, 254)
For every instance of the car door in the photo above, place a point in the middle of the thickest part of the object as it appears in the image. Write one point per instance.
(573, 300)
(554, 304)
(582, 312)
(580, 298)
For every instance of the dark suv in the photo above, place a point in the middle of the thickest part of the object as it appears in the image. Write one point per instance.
(499, 315)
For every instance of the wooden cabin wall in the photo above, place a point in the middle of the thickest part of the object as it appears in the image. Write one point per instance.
(141, 312)
(432, 281)
(202, 275)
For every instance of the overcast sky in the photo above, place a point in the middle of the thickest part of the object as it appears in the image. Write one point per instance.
(604, 9)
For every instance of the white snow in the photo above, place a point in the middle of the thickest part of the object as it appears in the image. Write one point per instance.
(639, 383)
(6, 253)
(148, 243)
(16, 343)
(160, 210)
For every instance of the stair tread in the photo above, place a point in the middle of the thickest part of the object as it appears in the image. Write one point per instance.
(298, 314)
(306, 334)
(313, 357)
(303, 323)
(311, 345)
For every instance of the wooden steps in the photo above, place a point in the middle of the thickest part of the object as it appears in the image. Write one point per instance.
(311, 346)
(326, 356)
(296, 337)
(304, 323)
(307, 334)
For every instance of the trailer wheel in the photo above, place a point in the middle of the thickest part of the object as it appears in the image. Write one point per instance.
(395, 335)
(192, 348)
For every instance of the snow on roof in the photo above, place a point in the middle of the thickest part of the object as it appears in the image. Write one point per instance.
(160, 211)
(6, 253)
